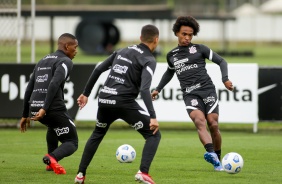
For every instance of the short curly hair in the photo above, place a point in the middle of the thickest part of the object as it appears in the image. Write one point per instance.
(186, 21)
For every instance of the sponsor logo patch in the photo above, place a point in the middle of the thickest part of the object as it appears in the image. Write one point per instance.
(61, 131)
(138, 125)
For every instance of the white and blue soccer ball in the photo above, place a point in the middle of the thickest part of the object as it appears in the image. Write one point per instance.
(232, 163)
(125, 153)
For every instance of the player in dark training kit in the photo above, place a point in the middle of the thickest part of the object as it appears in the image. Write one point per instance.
(44, 100)
(187, 60)
(131, 72)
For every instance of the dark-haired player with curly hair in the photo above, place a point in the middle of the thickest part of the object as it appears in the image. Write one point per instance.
(187, 60)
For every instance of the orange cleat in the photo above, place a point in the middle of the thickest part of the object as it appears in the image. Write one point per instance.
(52, 162)
(144, 178)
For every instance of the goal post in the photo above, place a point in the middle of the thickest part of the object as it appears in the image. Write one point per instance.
(12, 31)
(19, 3)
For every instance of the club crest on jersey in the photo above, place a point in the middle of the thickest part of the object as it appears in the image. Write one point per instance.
(194, 102)
(192, 50)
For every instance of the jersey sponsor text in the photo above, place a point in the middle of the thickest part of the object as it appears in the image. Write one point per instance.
(61, 131)
(185, 68)
(120, 69)
(106, 101)
(109, 90)
(42, 78)
(191, 88)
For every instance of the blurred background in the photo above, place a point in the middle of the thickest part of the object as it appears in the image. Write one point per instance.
(230, 27)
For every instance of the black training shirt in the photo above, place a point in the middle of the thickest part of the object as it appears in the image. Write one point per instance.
(131, 72)
(188, 62)
(46, 84)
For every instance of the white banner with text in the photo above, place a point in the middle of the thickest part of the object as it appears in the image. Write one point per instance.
(238, 106)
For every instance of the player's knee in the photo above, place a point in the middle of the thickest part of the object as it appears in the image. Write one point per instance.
(213, 126)
(75, 145)
(148, 135)
(199, 120)
(158, 135)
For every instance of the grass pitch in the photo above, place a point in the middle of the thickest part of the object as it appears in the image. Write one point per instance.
(179, 158)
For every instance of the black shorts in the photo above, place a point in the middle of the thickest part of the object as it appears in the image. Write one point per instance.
(62, 124)
(132, 113)
(207, 104)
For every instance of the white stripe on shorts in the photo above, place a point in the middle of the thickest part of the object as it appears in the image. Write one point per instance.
(71, 122)
(144, 112)
(214, 106)
(191, 107)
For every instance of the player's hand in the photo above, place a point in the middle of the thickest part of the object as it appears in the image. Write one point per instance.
(82, 101)
(39, 115)
(25, 122)
(154, 125)
(154, 94)
(228, 84)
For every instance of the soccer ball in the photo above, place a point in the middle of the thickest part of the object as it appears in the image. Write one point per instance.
(232, 163)
(125, 153)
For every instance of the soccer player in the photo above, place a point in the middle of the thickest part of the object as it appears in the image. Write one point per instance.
(187, 60)
(44, 101)
(131, 72)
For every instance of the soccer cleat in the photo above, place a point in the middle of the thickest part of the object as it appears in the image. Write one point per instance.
(50, 161)
(49, 168)
(144, 178)
(218, 168)
(79, 179)
(213, 159)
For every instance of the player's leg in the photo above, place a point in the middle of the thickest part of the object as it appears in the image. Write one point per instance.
(196, 108)
(140, 121)
(212, 111)
(215, 132)
(199, 120)
(214, 158)
(102, 125)
(51, 139)
(52, 143)
(65, 131)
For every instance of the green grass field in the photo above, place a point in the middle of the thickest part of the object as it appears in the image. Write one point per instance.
(179, 158)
